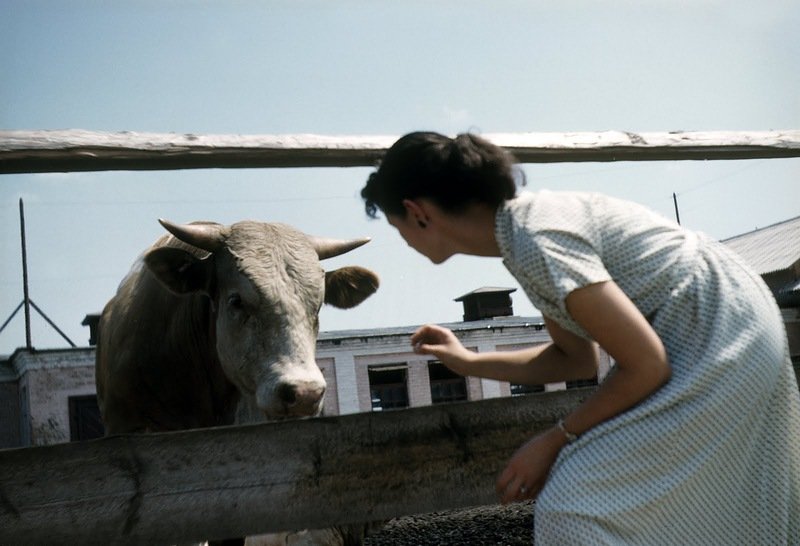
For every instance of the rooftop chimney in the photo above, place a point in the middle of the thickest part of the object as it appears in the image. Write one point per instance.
(92, 320)
(487, 302)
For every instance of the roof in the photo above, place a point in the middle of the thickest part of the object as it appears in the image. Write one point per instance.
(496, 322)
(771, 248)
(486, 290)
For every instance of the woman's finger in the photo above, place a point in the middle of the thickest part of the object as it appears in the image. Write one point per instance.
(423, 333)
(503, 480)
(508, 485)
(515, 490)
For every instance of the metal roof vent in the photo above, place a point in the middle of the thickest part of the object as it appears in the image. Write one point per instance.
(487, 302)
(92, 320)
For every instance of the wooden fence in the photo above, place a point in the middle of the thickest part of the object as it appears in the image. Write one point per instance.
(234, 481)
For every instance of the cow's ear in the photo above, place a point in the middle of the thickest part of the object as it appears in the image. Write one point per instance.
(348, 286)
(178, 270)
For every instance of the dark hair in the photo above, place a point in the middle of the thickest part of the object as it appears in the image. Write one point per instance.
(452, 172)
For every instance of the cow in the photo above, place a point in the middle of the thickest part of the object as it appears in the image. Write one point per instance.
(213, 319)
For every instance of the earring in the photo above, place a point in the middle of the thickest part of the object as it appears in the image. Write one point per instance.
(422, 224)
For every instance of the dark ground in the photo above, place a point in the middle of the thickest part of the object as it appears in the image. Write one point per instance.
(487, 525)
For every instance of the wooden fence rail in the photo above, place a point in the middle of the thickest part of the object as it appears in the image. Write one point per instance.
(235, 481)
(63, 151)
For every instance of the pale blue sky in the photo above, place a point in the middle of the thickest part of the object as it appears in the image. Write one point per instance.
(372, 67)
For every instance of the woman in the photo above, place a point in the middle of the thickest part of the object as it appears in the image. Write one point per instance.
(694, 438)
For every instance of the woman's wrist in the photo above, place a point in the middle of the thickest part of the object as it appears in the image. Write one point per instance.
(554, 437)
(569, 437)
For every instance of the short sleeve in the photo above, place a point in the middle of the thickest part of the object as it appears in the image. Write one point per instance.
(570, 261)
(550, 245)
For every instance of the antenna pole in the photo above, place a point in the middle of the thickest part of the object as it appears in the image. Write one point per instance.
(26, 298)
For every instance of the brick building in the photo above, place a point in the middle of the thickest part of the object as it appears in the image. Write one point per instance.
(49, 396)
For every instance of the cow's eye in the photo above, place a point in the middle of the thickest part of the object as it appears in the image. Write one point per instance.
(235, 301)
(237, 308)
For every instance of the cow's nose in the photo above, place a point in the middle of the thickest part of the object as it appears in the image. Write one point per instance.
(301, 398)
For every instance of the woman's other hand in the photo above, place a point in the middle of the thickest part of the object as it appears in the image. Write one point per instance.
(528, 469)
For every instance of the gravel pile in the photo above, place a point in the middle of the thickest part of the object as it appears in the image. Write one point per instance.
(510, 525)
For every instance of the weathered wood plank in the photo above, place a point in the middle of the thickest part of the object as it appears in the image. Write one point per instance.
(235, 481)
(75, 150)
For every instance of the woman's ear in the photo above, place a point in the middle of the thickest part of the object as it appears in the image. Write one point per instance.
(415, 212)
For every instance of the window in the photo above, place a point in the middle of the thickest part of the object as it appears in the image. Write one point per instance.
(577, 384)
(517, 390)
(446, 386)
(85, 422)
(388, 387)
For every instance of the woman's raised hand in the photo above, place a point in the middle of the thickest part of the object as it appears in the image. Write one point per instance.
(444, 345)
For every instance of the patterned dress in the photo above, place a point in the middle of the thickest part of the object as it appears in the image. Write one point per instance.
(713, 457)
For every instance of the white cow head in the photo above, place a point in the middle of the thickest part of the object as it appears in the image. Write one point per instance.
(266, 287)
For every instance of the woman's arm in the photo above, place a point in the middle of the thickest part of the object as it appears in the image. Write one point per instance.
(567, 357)
(612, 319)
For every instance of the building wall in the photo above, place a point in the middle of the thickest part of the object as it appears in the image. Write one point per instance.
(47, 379)
(330, 403)
(36, 402)
(34, 399)
(353, 357)
(791, 318)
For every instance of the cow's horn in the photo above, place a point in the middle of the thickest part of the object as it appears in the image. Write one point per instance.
(328, 248)
(207, 236)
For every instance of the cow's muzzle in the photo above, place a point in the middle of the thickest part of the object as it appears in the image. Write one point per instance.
(301, 398)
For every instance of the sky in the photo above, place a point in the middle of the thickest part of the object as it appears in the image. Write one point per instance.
(346, 67)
